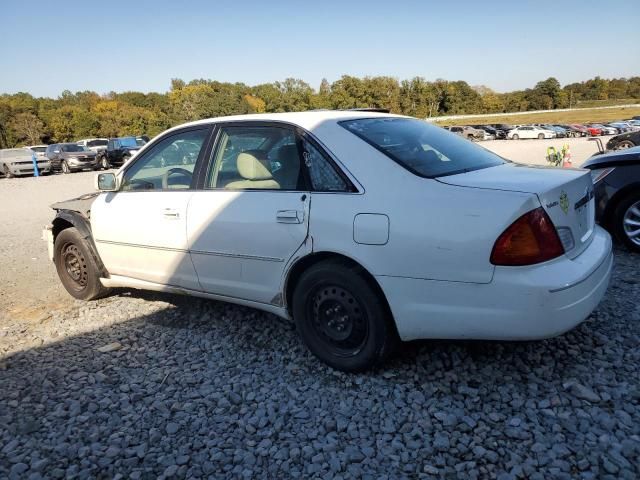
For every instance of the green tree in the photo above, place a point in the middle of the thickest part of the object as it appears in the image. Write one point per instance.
(28, 128)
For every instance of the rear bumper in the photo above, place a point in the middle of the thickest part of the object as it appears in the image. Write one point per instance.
(520, 303)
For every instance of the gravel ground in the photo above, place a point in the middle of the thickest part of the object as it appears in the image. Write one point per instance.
(144, 385)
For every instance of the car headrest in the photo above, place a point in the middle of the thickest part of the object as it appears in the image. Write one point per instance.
(252, 165)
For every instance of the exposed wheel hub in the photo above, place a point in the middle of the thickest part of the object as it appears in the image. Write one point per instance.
(75, 265)
(339, 319)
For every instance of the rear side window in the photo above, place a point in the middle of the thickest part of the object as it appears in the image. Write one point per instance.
(423, 149)
(323, 177)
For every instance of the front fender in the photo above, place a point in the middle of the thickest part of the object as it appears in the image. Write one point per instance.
(68, 218)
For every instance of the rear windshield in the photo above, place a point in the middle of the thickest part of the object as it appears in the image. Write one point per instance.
(423, 149)
(97, 143)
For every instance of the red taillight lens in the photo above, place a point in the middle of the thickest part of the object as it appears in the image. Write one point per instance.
(532, 238)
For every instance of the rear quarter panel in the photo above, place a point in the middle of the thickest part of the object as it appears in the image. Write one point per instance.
(436, 231)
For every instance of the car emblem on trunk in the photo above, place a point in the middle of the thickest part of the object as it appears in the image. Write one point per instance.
(564, 202)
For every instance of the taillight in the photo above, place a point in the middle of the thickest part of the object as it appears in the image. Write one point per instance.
(532, 238)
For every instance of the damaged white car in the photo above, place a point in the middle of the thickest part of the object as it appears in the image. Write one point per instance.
(365, 228)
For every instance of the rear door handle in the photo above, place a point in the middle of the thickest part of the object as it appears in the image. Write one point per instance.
(289, 216)
(170, 213)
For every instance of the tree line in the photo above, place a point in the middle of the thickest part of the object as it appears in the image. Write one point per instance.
(25, 119)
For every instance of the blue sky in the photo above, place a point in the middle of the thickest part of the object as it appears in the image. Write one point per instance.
(49, 46)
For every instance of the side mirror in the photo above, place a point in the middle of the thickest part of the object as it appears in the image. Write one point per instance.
(106, 182)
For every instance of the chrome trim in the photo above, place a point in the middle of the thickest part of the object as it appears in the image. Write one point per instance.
(198, 252)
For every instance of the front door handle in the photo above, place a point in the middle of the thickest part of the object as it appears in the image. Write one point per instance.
(170, 213)
(289, 216)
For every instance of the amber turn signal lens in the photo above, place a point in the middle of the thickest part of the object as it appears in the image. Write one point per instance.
(531, 239)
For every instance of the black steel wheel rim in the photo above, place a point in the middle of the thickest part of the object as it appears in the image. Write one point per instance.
(338, 320)
(75, 265)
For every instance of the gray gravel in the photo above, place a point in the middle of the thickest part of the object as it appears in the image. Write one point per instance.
(144, 386)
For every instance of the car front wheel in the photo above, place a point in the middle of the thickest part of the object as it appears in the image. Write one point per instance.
(76, 266)
(623, 145)
(515, 137)
(65, 167)
(104, 163)
(626, 219)
(342, 318)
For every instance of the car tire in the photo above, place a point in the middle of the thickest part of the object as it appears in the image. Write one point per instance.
(541, 136)
(624, 144)
(104, 163)
(64, 166)
(342, 318)
(7, 173)
(627, 211)
(76, 266)
(515, 137)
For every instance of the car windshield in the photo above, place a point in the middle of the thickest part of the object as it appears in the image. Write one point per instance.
(72, 147)
(97, 143)
(423, 149)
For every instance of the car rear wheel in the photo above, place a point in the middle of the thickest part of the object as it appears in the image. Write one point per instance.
(624, 144)
(541, 136)
(626, 219)
(76, 266)
(65, 167)
(515, 136)
(341, 317)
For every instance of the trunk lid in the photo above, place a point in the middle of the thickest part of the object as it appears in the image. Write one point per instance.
(565, 194)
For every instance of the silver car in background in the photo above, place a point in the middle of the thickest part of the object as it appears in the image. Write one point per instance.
(19, 161)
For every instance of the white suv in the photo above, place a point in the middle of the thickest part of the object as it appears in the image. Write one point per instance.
(365, 228)
(94, 144)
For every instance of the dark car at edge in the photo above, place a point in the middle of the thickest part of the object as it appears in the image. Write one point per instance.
(624, 141)
(616, 179)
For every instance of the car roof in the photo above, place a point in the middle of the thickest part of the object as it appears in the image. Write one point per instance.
(307, 120)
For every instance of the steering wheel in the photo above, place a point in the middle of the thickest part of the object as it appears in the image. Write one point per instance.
(172, 171)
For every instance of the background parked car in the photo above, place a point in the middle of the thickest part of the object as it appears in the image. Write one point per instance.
(40, 151)
(624, 141)
(493, 132)
(616, 176)
(94, 144)
(559, 131)
(467, 132)
(119, 150)
(71, 157)
(530, 131)
(624, 126)
(19, 161)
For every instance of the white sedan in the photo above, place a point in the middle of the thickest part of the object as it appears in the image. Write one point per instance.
(530, 131)
(364, 228)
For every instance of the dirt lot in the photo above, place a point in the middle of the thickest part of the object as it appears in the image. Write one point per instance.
(140, 385)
